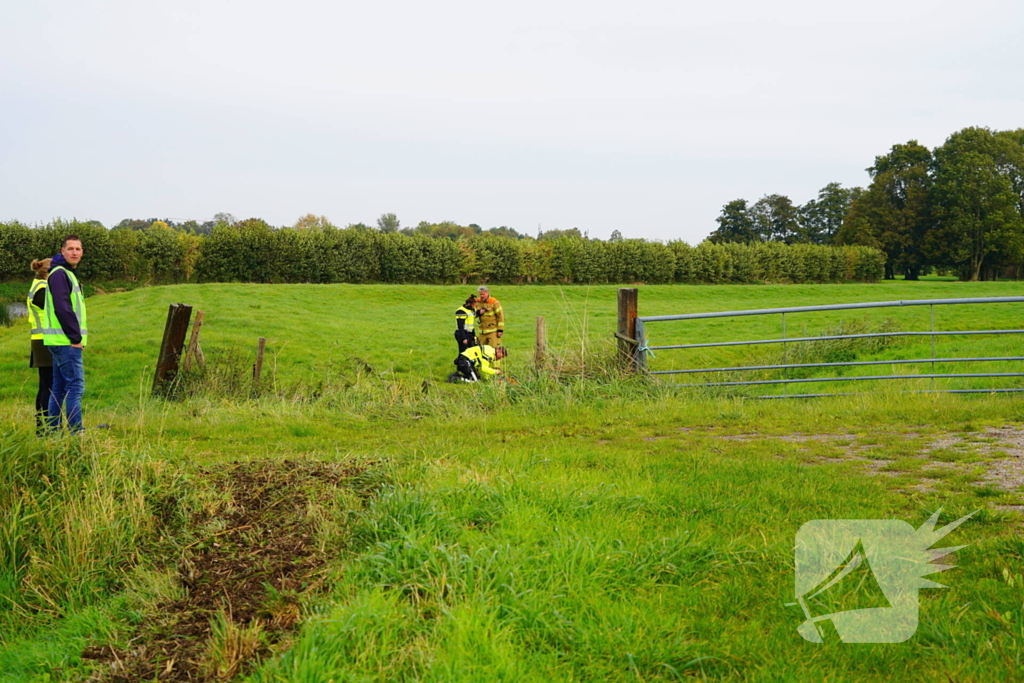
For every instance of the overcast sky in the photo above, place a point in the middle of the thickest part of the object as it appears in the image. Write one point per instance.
(644, 117)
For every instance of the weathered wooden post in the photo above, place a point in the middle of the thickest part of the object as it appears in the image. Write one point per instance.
(626, 333)
(174, 341)
(194, 352)
(540, 350)
(258, 369)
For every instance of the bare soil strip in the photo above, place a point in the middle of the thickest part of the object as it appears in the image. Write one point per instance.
(1001, 450)
(242, 580)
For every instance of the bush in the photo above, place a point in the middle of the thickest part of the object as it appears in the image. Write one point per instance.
(253, 251)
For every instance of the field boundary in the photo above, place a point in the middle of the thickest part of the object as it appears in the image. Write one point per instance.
(643, 349)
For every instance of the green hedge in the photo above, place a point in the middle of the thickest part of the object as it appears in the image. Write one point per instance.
(252, 251)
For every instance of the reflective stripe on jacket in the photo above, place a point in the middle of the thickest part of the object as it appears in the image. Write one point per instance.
(35, 314)
(491, 316)
(482, 357)
(467, 317)
(53, 333)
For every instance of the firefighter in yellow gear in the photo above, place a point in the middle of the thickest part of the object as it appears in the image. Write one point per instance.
(490, 319)
(477, 362)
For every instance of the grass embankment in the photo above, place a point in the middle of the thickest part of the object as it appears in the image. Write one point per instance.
(551, 530)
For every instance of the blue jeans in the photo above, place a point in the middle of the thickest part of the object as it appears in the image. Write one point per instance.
(68, 388)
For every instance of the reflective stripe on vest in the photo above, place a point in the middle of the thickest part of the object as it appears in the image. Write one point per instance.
(53, 333)
(35, 314)
(480, 354)
(482, 358)
(468, 316)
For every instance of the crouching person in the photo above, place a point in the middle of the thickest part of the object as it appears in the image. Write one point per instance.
(477, 362)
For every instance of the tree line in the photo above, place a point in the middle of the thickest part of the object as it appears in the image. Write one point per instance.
(315, 251)
(957, 208)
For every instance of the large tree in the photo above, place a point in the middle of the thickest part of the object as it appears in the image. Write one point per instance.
(735, 224)
(775, 219)
(978, 203)
(821, 218)
(894, 213)
(1012, 161)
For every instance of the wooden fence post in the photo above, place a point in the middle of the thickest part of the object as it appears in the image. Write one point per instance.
(626, 333)
(194, 352)
(540, 351)
(258, 370)
(174, 341)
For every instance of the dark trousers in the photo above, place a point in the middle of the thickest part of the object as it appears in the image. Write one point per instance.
(464, 340)
(43, 397)
(466, 369)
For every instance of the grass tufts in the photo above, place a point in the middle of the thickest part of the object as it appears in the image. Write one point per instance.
(230, 646)
(75, 517)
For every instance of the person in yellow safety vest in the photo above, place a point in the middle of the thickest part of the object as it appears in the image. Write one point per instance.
(39, 357)
(65, 334)
(465, 324)
(477, 362)
(490, 318)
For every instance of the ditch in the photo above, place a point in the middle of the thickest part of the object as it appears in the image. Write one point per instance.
(243, 581)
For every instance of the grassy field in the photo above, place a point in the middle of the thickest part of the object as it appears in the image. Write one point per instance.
(573, 529)
(315, 331)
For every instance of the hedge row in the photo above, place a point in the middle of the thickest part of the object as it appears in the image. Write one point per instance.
(252, 251)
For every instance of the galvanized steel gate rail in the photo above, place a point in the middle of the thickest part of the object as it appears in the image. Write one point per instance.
(642, 348)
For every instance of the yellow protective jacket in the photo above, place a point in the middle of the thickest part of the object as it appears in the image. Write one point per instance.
(482, 357)
(490, 316)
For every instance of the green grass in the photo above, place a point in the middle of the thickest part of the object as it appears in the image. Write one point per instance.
(582, 530)
(405, 332)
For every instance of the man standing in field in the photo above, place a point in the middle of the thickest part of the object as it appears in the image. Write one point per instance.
(65, 334)
(490, 319)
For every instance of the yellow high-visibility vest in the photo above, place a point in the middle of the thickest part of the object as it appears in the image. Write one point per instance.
(35, 314)
(467, 316)
(53, 334)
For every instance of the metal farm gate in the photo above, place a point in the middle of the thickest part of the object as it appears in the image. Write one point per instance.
(737, 374)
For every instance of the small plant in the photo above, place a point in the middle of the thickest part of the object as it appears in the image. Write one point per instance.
(280, 607)
(230, 646)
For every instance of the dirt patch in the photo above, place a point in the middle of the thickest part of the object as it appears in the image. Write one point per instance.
(794, 437)
(999, 451)
(242, 579)
(1001, 447)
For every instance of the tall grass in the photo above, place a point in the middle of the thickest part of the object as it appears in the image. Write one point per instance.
(819, 351)
(75, 517)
